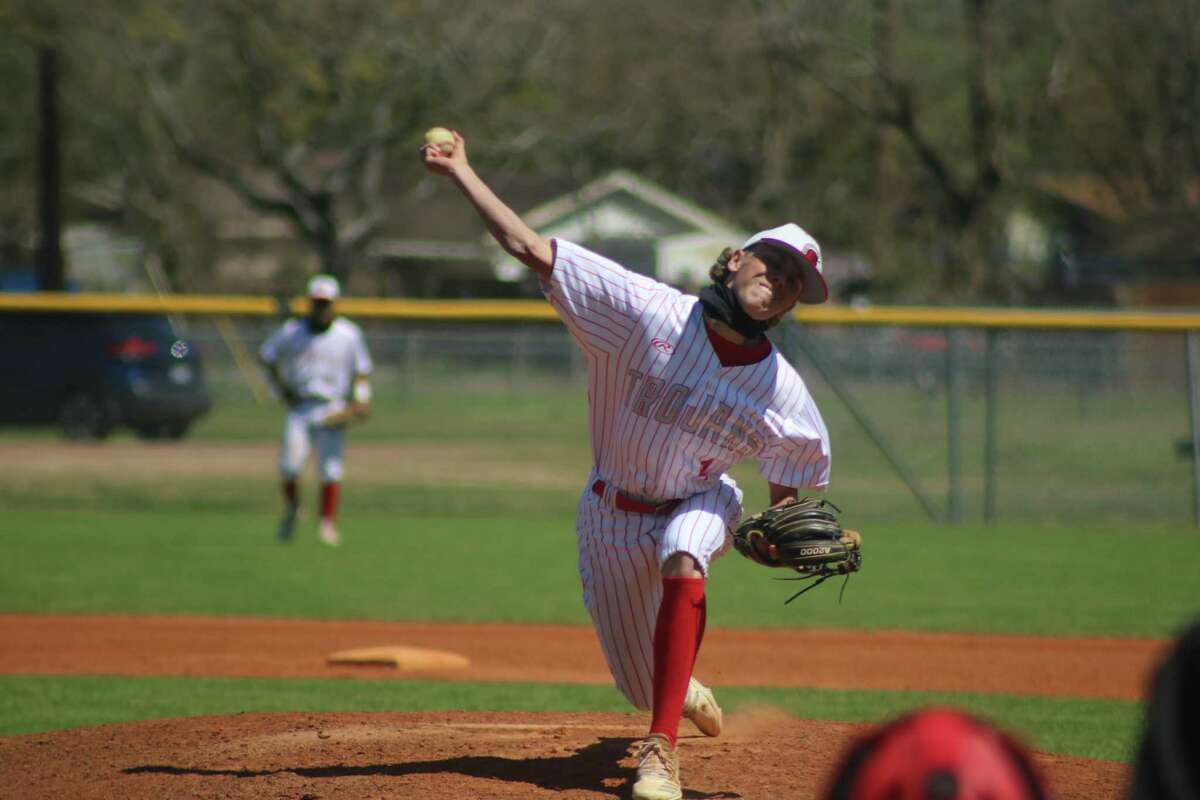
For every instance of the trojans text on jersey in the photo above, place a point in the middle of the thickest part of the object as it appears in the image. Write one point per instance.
(716, 422)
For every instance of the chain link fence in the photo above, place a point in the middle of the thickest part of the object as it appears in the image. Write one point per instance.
(939, 423)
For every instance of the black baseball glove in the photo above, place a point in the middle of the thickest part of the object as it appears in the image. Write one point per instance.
(804, 535)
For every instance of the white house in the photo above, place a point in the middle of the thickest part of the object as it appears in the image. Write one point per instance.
(635, 222)
(621, 215)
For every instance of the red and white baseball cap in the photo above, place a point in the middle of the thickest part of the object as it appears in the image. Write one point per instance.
(323, 287)
(794, 239)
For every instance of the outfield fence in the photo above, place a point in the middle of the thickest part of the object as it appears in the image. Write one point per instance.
(943, 414)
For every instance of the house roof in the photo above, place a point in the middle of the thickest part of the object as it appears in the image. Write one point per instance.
(1094, 194)
(1085, 191)
(674, 214)
(1119, 243)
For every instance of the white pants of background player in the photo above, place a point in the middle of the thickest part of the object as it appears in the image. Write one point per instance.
(620, 561)
(303, 433)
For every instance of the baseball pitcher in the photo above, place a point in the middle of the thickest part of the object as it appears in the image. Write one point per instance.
(319, 367)
(680, 389)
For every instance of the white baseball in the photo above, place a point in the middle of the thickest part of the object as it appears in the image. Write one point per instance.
(441, 137)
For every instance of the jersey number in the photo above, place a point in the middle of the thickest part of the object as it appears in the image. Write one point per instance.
(705, 463)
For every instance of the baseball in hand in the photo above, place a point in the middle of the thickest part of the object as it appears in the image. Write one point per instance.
(442, 138)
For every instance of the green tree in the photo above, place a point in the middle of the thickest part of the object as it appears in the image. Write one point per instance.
(18, 143)
(37, 29)
(100, 148)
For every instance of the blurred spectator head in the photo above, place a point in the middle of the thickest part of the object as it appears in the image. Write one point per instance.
(936, 754)
(1168, 760)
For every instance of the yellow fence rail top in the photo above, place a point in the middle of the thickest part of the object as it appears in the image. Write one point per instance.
(248, 305)
(138, 304)
(540, 311)
(947, 317)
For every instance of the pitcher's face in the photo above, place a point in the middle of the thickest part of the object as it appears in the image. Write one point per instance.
(766, 282)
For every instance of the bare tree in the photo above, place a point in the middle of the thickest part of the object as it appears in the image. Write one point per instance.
(860, 59)
(295, 107)
(1127, 96)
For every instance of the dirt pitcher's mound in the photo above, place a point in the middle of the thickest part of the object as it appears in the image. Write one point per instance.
(763, 755)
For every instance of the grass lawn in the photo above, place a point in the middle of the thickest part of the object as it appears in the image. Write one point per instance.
(1008, 579)
(1108, 458)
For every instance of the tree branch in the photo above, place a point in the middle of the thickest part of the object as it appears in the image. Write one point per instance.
(962, 203)
(981, 110)
(267, 142)
(177, 134)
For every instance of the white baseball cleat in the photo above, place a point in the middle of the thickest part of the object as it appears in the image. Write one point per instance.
(329, 534)
(287, 525)
(701, 708)
(657, 771)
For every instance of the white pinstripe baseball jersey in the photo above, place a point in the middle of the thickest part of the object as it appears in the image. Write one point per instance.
(667, 417)
(318, 365)
(319, 368)
(669, 414)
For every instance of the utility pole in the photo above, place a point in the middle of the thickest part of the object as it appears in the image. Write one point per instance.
(49, 250)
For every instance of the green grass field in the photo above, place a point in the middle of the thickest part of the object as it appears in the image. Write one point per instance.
(1063, 454)
(1053, 581)
(92, 542)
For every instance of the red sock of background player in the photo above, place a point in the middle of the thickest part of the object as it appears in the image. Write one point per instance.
(290, 493)
(329, 500)
(677, 635)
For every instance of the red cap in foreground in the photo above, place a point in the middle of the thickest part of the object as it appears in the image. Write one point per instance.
(936, 754)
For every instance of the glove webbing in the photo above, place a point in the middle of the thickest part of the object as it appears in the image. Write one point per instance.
(817, 581)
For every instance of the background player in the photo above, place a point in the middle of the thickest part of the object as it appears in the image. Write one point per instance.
(680, 389)
(319, 367)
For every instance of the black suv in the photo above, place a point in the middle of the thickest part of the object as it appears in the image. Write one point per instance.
(92, 372)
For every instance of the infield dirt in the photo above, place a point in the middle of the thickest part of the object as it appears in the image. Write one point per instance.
(763, 753)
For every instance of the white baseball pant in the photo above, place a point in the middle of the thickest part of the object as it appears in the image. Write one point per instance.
(303, 432)
(621, 555)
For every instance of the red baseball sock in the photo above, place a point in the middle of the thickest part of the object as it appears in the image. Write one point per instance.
(329, 500)
(677, 635)
(289, 492)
